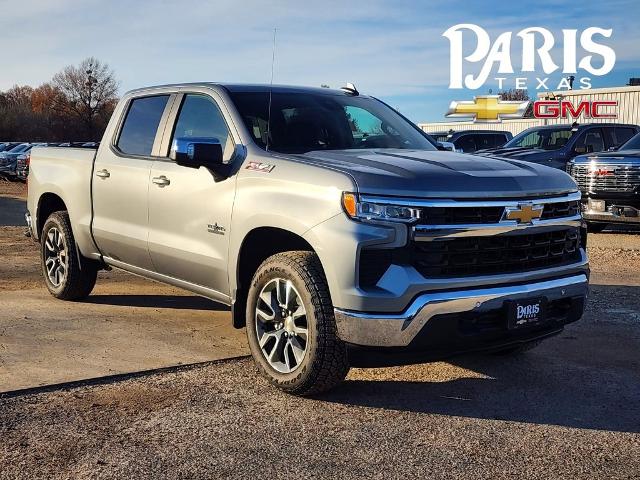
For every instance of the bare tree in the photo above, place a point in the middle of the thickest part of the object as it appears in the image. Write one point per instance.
(518, 95)
(88, 90)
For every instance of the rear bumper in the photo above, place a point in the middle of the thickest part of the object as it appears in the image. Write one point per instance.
(458, 311)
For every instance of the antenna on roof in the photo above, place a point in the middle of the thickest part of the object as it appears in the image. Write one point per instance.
(273, 59)
(351, 89)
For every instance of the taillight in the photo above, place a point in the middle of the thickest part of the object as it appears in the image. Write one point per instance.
(27, 162)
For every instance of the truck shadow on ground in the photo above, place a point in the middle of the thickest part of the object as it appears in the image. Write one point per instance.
(586, 377)
(180, 302)
(12, 212)
(529, 390)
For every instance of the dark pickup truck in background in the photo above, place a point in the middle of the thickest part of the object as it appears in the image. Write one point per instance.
(469, 141)
(555, 145)
(610, 185)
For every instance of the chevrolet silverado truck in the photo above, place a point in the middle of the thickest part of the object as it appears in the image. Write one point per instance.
(610, 185)
(330, 224)
(555, 145)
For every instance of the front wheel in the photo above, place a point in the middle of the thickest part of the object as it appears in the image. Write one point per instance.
(67, 274)
(291, 327)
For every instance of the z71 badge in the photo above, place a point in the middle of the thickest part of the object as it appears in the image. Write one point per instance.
(260, 167)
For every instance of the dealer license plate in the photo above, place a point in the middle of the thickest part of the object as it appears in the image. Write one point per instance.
(527, 312)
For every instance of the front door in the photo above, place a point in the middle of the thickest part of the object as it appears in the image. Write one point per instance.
(121, 184)
(189, 210)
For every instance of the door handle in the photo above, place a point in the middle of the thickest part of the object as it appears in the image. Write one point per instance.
(103, 173)
(161, 181)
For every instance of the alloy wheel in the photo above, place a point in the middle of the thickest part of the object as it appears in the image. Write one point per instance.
(55, 257)
(281, 325)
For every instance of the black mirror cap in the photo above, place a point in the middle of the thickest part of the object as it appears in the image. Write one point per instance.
(197, 152)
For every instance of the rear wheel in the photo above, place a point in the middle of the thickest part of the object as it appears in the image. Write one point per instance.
(291, 326)
(67, 274)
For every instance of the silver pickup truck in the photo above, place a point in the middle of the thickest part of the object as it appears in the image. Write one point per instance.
(330, 224)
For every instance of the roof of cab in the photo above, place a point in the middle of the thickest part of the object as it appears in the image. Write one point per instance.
(249, 88)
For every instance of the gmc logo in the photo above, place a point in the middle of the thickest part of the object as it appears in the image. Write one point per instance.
(566, 109)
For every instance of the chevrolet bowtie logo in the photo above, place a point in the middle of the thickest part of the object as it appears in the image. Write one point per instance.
(524, 213)
(487, 108)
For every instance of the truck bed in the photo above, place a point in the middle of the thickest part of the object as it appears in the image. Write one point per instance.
(65, 172)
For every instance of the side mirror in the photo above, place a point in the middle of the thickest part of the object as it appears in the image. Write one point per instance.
(589, 148)
(196, 152)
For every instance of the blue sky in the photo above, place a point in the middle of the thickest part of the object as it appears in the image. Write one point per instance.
(393, 50)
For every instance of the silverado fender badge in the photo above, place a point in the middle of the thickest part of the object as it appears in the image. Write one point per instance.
(260, 167)
(217, 229)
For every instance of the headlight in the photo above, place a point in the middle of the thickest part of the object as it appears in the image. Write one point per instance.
(378, 210)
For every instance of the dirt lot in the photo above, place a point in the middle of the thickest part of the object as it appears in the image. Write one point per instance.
(568, 409)
(44, 341)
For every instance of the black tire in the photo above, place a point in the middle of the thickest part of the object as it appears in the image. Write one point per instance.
(518, 349)
(596, 227)
(80, 273)
(325, 362)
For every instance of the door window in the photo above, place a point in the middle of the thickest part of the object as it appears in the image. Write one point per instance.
(466, 143)
(592, 141)
(141, 125)
(200, 117)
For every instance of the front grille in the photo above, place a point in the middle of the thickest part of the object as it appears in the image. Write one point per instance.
(488, 215)
(622, 178)
(495, 255)
(560, 210)
(461, 215)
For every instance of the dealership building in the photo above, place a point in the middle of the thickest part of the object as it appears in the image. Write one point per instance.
(628, 111)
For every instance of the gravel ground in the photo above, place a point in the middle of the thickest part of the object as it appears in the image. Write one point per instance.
(568, 409)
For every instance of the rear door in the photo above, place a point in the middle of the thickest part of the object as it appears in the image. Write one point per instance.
(121, 182)
(189, 209)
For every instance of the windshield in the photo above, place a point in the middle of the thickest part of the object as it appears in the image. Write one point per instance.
(19, 148)
(302, 122)
(544, 138)
(633, 144)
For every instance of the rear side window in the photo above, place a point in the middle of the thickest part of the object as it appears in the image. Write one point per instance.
(141, 125)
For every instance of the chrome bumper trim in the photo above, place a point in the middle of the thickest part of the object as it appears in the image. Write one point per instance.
(398, 330)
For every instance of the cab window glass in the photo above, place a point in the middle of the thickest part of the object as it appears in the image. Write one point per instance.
(141, 125)
(622, 135)
(591, 141)
(200, 117)
(466, 143)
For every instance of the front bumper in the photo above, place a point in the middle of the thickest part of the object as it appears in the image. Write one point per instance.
(616, 212)
(403, 329)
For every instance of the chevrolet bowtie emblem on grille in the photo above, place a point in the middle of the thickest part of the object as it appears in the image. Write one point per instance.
(487, 108)
(523, 213)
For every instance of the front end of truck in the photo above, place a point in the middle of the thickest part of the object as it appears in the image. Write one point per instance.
(439, 277)
(610, 186)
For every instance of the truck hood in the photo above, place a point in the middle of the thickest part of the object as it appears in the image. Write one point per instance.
(438, 174)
